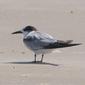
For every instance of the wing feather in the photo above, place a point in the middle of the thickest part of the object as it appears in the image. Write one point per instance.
(39, 40)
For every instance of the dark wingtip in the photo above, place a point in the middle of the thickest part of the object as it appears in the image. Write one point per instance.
(74, 44)
(78, 44)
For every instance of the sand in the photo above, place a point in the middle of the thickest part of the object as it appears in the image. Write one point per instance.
(63, 20)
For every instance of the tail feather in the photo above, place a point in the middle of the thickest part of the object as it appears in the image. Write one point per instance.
(63, 42)
(69, 41)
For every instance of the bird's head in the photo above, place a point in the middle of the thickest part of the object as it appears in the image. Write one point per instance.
(25, 30)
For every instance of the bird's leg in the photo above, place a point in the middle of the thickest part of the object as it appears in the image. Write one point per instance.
(35, 58)
(42, 58)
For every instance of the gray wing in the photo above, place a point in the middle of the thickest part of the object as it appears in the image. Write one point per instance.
(39, 40)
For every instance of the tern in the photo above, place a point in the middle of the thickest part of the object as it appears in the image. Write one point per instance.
(42, 43)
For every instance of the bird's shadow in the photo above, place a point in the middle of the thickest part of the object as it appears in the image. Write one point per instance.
(32, 62)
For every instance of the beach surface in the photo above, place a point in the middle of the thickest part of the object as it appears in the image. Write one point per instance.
(63, 20)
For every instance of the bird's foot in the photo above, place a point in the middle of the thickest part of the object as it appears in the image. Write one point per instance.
(37, 62)
(41, 61)
(34, 61)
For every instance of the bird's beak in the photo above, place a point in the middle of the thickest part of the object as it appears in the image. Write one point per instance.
(17, 32)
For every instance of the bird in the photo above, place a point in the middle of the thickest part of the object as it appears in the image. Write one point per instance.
(42, 43)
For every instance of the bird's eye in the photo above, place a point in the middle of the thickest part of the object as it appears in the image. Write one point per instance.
(26, 29)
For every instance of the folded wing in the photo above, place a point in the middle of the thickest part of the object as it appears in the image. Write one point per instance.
(61, 44)
(39, 40)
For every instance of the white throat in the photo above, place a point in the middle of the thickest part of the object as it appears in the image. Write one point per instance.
(25, 33)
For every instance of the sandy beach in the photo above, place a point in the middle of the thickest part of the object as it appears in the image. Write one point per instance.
(63, 20)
